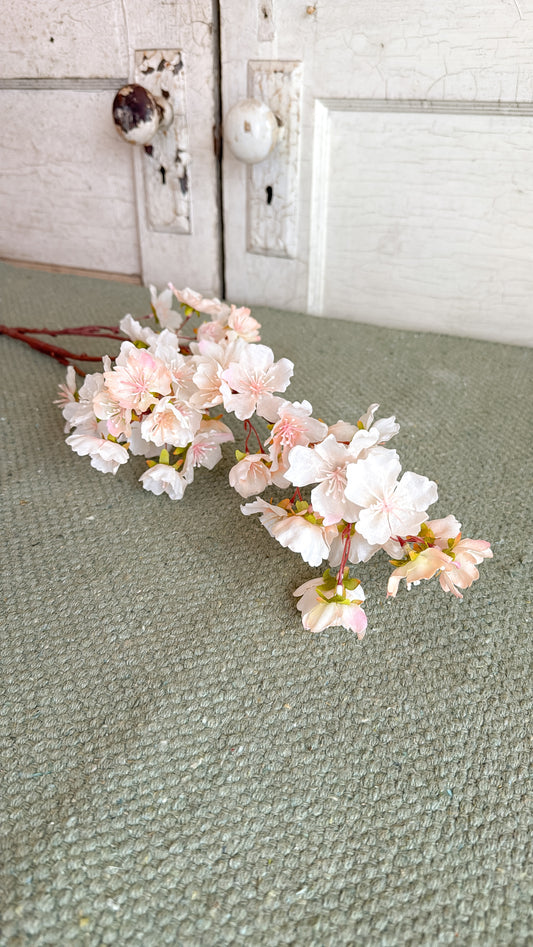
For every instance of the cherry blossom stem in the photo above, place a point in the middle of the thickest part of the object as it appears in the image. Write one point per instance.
(98, 332)
(61, 355)
(347, 541)
(296, 494)
(248, 426)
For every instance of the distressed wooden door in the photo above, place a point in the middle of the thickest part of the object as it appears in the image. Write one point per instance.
(72, 193)
(401, 193)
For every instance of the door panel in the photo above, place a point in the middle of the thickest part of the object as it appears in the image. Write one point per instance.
(69, 202)
(72, 192)
(53, 39)
(415, 137)
(425, 225)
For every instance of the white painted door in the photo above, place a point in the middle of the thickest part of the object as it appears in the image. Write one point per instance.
(72, 193)
(402, 191)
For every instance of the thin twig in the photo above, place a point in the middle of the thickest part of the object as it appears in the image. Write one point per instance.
(61, 355)
(95, 332)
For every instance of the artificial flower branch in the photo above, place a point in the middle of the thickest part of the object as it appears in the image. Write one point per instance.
(157, 400)
(61, 355)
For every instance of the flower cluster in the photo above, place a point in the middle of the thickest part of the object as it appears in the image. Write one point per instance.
(157, 400)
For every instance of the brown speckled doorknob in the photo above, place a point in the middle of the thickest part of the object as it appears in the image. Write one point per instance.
(138, 115)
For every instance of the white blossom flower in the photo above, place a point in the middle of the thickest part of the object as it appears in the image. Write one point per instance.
(253, 379)
(138, 446)
(68, 389)
(292, 530)
(385, 427)
(106, 455)
(323, 608)
(81, 412)
(166, 348)
(326, 464)
(135, 331)
(359, 550)
(210, 362)
(163, 478)
(389, 507)
(167, 317)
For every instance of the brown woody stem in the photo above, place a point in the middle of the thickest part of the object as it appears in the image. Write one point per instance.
(61, 355)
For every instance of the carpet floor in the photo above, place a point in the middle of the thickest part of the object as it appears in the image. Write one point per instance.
(182, 764)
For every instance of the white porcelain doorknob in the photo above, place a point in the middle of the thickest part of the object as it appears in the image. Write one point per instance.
(138, 114)
(251, 131)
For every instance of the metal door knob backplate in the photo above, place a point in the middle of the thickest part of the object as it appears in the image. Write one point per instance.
(251, 131)
(138, 114)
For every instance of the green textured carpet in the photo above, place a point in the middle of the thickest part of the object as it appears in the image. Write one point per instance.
(182, 764)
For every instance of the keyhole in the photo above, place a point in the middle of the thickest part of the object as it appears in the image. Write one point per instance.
(269, 194)
(163, 173)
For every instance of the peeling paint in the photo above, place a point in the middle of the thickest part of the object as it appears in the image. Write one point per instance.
(265, 21)
(166, 166)
(273, 184)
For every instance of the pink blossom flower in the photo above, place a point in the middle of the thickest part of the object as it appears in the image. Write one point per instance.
(219, 433)
(242, 325)
(388, 507)
(211, 332)
(461, 569)
(331, 608)
(253, 380)
(171, 422)
(343, 431)
(424, 565)
(444, 529)
(250, 475)
(298, 531)
(107, 409)
(211, 307)
(163, 478)
(294, 427)
(166, 349)
(202, 452)
(439, 549)
(136, 382)
(205, 450)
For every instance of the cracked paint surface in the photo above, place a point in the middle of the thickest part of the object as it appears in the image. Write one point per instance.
(272, 185)
(469, 60)
(166, 160)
